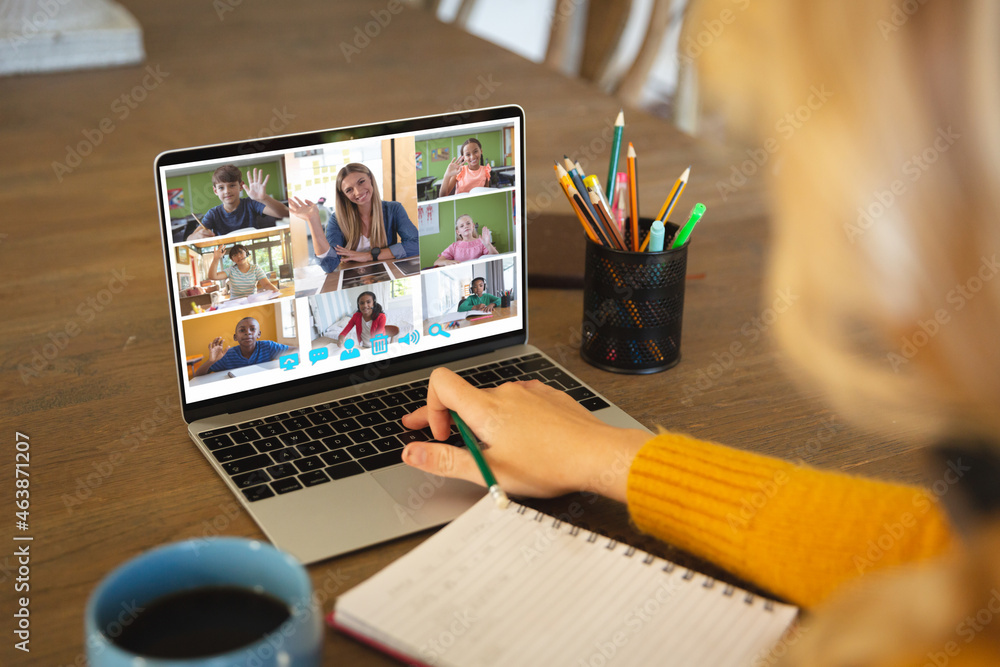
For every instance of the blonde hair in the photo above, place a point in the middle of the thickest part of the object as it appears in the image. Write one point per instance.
(475, 229)
(348, 216)
(885, 201)
(885, 209)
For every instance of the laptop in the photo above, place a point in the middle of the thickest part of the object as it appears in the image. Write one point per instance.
(294, 391)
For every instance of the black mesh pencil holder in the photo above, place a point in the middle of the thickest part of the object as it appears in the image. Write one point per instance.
(633, 304)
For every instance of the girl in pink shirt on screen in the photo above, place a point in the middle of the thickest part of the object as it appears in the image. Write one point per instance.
(466, 171)
(470, 245)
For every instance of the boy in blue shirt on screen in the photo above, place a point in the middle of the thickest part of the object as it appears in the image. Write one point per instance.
(236, 212)
(249, 350)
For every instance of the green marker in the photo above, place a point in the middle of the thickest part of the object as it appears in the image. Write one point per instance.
(499, 497)
(682, 236)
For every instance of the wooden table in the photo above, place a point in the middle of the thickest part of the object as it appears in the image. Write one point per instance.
(445, 320)
(88, 371)
(332, 282)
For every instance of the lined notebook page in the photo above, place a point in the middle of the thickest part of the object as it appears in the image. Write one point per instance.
(518, 587)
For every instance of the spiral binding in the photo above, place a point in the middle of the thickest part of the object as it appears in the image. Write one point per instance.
(707, 582)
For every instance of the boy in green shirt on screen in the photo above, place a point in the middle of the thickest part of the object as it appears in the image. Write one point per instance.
(479, 299)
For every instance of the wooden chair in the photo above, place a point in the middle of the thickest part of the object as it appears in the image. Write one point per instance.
(391, 331)
(598, 35)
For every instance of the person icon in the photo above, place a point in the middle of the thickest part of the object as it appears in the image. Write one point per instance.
(351, 352)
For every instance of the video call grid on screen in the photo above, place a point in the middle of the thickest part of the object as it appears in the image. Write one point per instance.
(301, 322)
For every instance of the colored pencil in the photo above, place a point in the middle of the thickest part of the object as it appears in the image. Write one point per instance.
(616, 148)
(575, 172)
(633, 198)
(576, 201)
(604, 217)
(674, 195)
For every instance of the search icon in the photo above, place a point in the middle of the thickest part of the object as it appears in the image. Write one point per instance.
(436, 330)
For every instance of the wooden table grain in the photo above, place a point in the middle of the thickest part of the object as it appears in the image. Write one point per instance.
(88, 374)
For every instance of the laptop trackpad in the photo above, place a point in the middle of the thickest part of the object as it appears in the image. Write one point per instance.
(428, 499)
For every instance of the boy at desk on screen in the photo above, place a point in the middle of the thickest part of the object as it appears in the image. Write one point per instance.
(249, 350)
(479, 299)
(893, 574)
(236, 212)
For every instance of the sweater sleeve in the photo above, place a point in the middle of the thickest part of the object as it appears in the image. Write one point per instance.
(796, 531)
(334, 238)
(398, 222)
(354, 323)
(378, 324)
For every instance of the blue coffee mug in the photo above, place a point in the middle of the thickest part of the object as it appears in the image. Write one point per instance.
(194, 564)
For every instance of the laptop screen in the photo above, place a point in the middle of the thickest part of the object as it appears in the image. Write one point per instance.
(320, 260)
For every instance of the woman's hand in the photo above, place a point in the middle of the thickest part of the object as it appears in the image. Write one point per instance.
(538, 440)
(348, 255)
(303, 208)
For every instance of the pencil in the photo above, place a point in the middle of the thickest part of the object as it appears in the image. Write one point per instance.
(592, 182)
(674, 195)
(633, 198)
(575, 172)
(604, 215)
(499, 497)
(604, 238)
(616, 148)
(569, 190)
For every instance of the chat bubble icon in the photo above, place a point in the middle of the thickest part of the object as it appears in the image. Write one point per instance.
(289, 361)
(318, 354)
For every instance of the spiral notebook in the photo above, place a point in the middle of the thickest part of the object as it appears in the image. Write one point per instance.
(519, 587)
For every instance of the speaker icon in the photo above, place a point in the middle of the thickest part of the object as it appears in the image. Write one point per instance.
(411, 338)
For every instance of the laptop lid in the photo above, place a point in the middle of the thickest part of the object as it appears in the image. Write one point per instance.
(289, 321)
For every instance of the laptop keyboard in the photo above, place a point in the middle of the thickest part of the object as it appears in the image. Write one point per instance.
(330, 441)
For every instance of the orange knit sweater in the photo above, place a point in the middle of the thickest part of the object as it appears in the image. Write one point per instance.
(793, 530)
